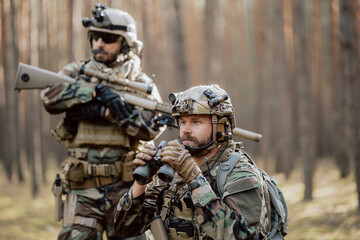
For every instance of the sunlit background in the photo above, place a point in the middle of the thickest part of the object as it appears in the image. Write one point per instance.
(290, 68)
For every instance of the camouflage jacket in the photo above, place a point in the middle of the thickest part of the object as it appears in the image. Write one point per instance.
(238, 214)
(62, 96)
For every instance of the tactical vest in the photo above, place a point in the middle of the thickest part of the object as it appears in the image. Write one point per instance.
(179, 219)
(98, 135)
(178, 210)
(98, 152)
(89, 168)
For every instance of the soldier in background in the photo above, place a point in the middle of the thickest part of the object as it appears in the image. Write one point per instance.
(100, 129)
(199, 203)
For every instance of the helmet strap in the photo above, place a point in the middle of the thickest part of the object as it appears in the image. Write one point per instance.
(214, 121)
(201, 151)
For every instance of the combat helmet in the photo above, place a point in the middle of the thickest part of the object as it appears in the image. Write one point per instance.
(114, 21)
(209, 100)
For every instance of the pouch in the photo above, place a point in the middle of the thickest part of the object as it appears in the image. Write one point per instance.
(74, 170)
(245, 194)
(60, 133)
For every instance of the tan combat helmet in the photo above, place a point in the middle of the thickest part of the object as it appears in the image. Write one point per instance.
(114, 21)
(209, 100)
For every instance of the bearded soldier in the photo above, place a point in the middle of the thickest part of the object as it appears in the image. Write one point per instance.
(217, 191)
(100, 129)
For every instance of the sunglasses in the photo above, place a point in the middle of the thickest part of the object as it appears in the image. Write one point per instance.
(106, 37)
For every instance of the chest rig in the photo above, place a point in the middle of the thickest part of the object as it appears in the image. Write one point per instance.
(178, 211)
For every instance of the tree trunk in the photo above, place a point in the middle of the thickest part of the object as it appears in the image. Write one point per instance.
(338, 98)
(10, 58)
(284, 124)
(43, 62)
(212, 62)
(69, 30)
(316, 106)
(179, 47)
(350, 62)
(4, 151)
(304, 111)
(32, 131)
(289, 96)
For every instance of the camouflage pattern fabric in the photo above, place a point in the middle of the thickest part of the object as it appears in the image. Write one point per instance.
(94, 208)
(61, 96)
(235, 215)
(94, 204)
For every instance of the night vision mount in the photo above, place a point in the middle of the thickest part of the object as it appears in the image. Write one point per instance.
(98, 15)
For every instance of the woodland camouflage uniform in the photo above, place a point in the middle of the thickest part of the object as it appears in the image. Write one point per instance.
(97, 171)
(240, 213)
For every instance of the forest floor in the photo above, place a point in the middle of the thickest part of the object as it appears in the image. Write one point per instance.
(330, 215)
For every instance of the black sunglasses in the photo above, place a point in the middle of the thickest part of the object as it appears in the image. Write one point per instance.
(106, 37)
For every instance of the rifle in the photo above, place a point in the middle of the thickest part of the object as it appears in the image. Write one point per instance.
(30, 77)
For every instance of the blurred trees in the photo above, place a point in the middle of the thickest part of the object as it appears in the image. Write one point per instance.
(290, 68)
(349, 67)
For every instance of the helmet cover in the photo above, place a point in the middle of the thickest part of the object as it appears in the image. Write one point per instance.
(207, 100)
(113, 21)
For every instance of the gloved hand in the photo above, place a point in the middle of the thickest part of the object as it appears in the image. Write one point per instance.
(119, 109)
(93, 110)
(175, 154)
(148, 168)
(144, 156)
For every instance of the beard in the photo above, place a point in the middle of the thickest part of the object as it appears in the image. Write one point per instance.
(107, 59)
(196, 142)
(201, 148)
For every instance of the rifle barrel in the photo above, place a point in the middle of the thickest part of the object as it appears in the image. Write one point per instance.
(247, 134)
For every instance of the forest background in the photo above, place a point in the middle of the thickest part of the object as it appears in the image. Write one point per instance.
(290, 68)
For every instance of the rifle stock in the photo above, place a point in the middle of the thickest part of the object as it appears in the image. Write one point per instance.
(158, 229)
(30, 77)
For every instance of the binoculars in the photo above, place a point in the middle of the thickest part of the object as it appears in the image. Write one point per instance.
(165, 173)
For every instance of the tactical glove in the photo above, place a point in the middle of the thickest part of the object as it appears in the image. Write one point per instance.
(144, 156)
(119, 109)
(144, 167)
(175, 154)
(90, 111)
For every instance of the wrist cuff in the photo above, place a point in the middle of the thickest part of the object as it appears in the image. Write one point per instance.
(197, 182)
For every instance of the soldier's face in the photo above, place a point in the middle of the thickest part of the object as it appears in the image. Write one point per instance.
(195, 130)
(106, 51)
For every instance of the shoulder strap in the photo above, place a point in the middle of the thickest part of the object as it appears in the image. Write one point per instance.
(278, 202)
(224, 169)
(82, 69)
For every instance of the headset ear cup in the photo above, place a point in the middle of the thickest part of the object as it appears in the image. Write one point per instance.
(223, 130)
(124, 47)
(90, 39)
